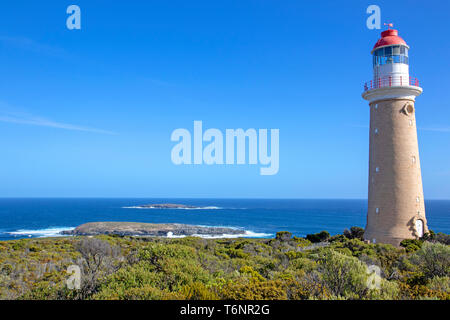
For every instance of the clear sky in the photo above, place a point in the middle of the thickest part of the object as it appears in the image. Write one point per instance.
(90, 112)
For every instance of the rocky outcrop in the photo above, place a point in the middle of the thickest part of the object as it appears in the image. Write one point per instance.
(148, 229)
(166, 206)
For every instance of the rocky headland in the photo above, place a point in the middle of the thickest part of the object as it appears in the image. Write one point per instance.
(148, 229)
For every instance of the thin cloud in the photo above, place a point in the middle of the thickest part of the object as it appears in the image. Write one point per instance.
(32, 45)
(29, 119)
(436, 129)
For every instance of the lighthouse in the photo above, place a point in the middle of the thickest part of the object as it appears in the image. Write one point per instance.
(396, 209)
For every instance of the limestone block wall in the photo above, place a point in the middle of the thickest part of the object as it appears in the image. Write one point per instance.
(396, 203)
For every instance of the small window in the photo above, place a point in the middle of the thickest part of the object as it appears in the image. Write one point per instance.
(388, 51)
(374, 240)
(376, 130)
(413, 159)
(418, 199)
(396, 50)
(410, 123)
(377, 169)
(377, 210)
(376, 106)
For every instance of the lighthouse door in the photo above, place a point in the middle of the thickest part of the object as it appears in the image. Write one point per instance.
(419, 228)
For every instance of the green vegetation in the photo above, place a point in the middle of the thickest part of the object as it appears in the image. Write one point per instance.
(315, 267)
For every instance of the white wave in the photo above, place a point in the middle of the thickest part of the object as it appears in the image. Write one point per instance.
(56, 232)
(171, 235)
(251, 234)
(246, 234)
(40, 233)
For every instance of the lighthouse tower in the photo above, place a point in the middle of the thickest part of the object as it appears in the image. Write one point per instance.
(396, 209)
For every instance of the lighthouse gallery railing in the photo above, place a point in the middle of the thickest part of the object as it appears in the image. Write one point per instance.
(391, 81)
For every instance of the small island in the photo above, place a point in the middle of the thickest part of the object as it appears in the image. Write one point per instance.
(165, 206)
(148, 229)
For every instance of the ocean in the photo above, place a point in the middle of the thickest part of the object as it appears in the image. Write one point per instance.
(39, 217)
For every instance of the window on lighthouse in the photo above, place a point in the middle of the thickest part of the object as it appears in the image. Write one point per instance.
(389, 55)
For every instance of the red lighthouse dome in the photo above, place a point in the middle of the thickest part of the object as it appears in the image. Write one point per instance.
(389, 38)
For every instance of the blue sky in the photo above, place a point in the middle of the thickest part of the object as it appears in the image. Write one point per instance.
(90, 112)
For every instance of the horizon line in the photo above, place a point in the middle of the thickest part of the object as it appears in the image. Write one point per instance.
(195, 198)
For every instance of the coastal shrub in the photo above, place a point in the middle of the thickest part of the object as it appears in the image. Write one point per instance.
(442, 238)
(432, 259)
(436, 237)
(283, 236)
(251, 273)
(198, 291)
(343, 275)
(194, 268)
(308, 286)
(337, 238)
(302, 242)
(411, 245)
(98, 259)
(354, 233)
(303, 264)
(144, 292)
(253, 290)
(237, 253)
(318, 237)
(439, 287)
(44, 290)
(171, 250)
(388, 290)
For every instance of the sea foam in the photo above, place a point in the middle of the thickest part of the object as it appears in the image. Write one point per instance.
(40, 233)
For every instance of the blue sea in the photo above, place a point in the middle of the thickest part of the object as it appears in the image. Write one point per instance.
(28, 218)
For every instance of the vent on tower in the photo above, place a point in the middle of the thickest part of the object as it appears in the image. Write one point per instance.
(408, 109)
